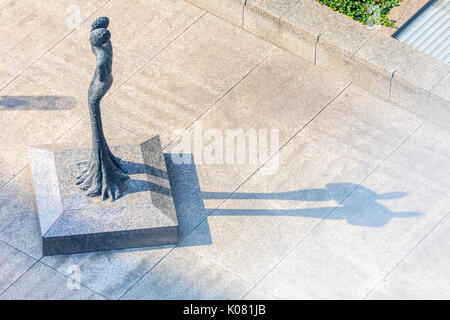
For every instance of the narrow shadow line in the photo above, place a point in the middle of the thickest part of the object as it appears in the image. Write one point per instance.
(37, 103)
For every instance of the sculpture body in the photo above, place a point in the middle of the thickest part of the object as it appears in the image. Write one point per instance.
(69, 221)
(103, 175)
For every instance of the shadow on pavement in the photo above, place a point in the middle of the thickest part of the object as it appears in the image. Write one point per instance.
(37, 103)
(362, 209)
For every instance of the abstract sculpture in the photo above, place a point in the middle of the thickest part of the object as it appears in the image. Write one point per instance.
(104, 175)
(70, 221)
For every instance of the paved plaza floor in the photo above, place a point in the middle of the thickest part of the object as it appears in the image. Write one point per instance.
(351, 199)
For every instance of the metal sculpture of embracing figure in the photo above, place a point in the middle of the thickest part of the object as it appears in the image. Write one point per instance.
(104, 174)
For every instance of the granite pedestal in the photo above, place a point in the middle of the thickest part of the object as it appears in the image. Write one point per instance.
(72, 222)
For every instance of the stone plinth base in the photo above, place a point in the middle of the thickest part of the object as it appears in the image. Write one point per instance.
(72, 222)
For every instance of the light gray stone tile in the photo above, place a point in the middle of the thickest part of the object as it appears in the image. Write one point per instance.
(31, 28)
(442, 89)
(230, 10)
(261, 91)
(185, 275)
(19, 216)
(17, 201)
(43, 283)
(419, 101)
(351, 251)
(267, 25)
(187, 78)
(361, 122)
(269, 214)
(257, 294)
(147, 26)
(26, 110)
(424, 273)
(69, 65)
(421, 70)
(13, 264)
(274, 8)
(327, 38)
(109, 273)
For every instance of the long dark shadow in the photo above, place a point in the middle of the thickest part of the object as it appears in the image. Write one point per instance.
(37, 103)
(361, 209)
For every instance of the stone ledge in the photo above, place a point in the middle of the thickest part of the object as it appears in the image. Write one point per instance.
(369, 57)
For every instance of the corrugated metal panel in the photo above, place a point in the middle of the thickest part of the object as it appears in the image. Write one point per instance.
(429, 31)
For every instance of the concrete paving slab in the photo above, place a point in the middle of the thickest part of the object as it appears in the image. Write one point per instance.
(282, 82)
(13, 264)
(187, 78)
(257, 294)
(43, 283)
(231, 10)
(110, 273)
(424, 273)
(147, 26)
(185, 275)
(25, 104)
(18, 215)
(264, 90)
(17, 202)
(349, 253)
(70, 65)
(269, 214)
(113, 273)
(360, 121)
(40, 26)
(405, 10)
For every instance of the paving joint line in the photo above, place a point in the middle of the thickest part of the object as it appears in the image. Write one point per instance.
(53, 46)
(14, 282)
(212, 212)
(342, 201)
(221, 97)
(156, 54)
(187, 128)
(111, 93)
(406, 255)
(66, 277)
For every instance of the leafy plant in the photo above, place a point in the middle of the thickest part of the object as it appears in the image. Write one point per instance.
(360, 9)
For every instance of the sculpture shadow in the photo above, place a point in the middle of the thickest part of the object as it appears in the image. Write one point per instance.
(138, 168)
(137, 185)
(37, 103)
(361, 209)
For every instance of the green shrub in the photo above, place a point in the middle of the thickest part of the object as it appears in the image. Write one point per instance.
(358, 9)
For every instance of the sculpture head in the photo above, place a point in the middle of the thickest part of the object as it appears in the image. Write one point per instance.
(100, 22)
(99, 36)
